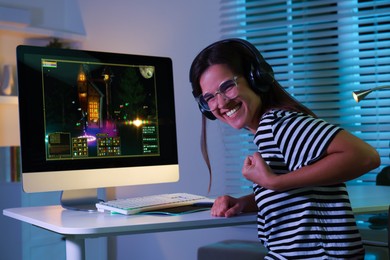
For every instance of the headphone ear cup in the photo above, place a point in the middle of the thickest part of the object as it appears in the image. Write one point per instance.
(206, 113)
(261, 74)
(260, 80)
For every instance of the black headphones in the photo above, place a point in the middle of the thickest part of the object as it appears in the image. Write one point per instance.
(260, 76)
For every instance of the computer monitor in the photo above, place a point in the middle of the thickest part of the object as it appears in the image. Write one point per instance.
(92, 120)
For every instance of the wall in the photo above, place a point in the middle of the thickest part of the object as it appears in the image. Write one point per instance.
(177, 29)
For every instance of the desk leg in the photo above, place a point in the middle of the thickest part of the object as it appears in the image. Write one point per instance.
(75, 248)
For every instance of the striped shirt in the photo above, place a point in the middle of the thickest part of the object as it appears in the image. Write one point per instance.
(309, 222)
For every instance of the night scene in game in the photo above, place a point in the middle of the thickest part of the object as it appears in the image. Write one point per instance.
(95, 110)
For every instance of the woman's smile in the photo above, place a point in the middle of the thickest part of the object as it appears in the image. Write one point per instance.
(233, 111)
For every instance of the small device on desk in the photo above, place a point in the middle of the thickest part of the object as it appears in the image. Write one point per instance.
(161, 203)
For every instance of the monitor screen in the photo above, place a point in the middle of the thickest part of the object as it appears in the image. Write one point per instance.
(95, 119)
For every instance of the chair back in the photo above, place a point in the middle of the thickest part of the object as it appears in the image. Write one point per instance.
(383, 177)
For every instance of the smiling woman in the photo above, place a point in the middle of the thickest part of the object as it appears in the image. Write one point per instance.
(302, 162)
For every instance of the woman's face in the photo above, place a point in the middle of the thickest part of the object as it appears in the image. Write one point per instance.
(244, 110)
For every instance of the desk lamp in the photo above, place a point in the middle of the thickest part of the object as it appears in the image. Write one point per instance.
(361, 94)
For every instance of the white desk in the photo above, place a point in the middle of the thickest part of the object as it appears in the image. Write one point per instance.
(77, 225)
(369, 199)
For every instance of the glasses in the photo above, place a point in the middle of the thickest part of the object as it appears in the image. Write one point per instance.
(228, 90)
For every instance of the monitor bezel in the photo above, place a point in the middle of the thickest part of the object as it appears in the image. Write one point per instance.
(39, 174)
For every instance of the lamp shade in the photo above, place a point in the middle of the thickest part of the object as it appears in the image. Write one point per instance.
(361, 94)
(9, 121)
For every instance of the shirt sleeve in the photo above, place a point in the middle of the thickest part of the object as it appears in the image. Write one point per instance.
(302, 139)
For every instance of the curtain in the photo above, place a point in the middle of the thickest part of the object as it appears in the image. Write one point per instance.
(321, 51)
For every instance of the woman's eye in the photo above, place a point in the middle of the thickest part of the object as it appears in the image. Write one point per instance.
(226, 86)
(208, 97)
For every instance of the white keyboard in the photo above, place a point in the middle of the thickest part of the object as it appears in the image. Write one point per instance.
(136, 205)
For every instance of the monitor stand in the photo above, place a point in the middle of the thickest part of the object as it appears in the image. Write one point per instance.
(83, 200)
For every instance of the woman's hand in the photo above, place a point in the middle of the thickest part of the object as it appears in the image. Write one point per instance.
(227, 206)
(256, 170)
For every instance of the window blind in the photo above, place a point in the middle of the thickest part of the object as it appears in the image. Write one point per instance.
(321, 51)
